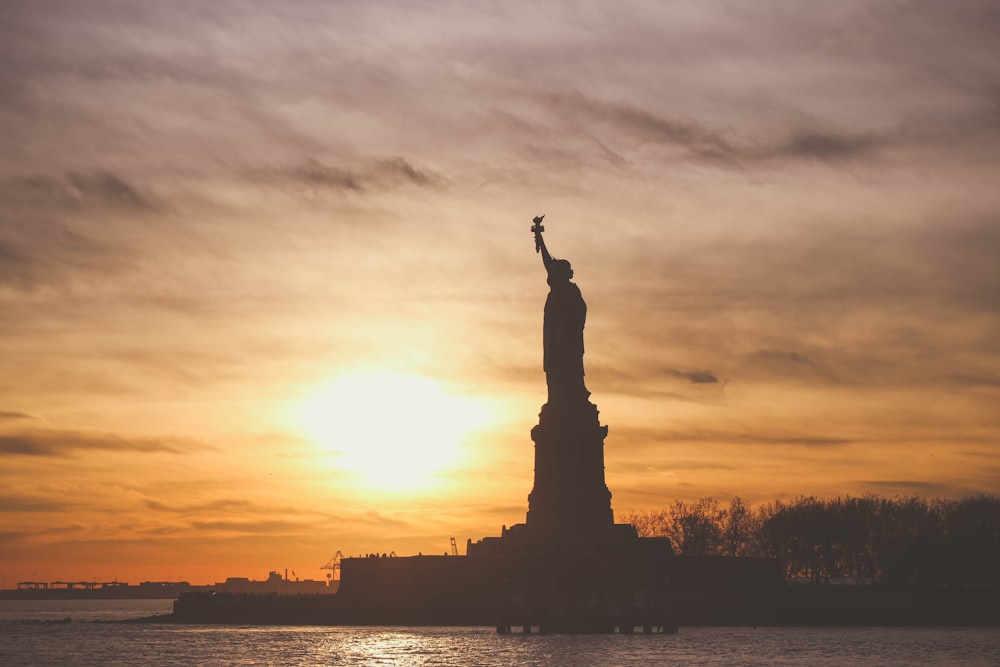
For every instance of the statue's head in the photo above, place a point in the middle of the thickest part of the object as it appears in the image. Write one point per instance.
(560, 271)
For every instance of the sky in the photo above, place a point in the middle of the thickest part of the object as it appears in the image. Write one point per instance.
(268, 289)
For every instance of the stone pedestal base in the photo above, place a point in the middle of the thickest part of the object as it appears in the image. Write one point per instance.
(569, 491)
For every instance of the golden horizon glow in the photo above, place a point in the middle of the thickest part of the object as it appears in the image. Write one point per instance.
(394, 432)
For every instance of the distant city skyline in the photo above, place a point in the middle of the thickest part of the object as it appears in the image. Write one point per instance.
(268, 289)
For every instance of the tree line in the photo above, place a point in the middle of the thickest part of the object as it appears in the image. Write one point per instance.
(870, 539)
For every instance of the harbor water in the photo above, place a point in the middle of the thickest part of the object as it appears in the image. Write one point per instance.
(87, 632)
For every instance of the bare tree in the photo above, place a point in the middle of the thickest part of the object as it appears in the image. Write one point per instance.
(739, 529)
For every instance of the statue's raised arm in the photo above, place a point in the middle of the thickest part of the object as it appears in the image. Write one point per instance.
(537, 228)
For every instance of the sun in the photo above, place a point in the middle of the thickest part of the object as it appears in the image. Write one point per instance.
(395, 432)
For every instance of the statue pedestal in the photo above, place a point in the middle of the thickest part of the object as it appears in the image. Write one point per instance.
(569, 508)
(569, 489)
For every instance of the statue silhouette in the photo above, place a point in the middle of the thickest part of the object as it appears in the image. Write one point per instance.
(562, 331)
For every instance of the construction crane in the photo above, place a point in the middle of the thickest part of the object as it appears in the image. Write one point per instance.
(454, 547)
(334, 566)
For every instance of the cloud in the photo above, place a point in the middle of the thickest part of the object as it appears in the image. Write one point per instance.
(787, 365)
(915, 487)
(316, 174)
(701, 143)
(781, 357)
(7, 415)
(224, 506)
(661, 468)
(696, 377)
(58, 229)
(22, 503)
(397, 170)
(975, 380)
(111, 190)
(831, 305)
(791, 440)
(379, 174)
(718, 437)
(713, 82)
(70, 444)
(648, 125)
(11, 537)
(825, 146)
(95, 189)
(644, 378)
(42, 252)
(20, 536)
(383, 520)
(256, 527)
(638, 386)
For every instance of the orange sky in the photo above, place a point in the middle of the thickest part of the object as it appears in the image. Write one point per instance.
(221, 222)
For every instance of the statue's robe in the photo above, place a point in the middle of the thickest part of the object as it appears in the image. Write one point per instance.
(562, 337)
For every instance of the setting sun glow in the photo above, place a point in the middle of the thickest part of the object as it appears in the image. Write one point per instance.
(395, 431)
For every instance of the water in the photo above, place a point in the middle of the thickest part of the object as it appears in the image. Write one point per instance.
(35, 633)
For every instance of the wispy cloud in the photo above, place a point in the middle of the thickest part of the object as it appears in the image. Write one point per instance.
(62, 444)
(701, 143)
(667, 435)
(379, 174)
(222, 506)
(256, 526)
(96, 189)
(7, 415)
(696, 377)
(914, 487)
(31, 503)
(40, 252)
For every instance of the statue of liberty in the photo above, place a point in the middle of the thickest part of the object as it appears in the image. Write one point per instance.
(562, 331)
